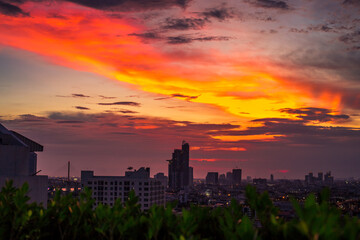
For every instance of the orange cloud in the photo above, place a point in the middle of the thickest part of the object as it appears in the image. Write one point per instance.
(89, 40)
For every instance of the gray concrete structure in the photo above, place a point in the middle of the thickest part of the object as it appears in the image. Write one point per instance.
(18, 162)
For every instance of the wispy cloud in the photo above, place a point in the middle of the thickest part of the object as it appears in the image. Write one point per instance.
(135, 104)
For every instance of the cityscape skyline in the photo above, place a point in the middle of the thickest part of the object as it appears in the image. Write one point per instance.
(266, 86)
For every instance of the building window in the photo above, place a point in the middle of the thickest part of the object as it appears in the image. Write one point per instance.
(146, 205)
(111, 183)
(89, 182)
(146, 189)
(146, 183)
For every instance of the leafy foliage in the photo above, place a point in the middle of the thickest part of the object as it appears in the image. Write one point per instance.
(67, 217)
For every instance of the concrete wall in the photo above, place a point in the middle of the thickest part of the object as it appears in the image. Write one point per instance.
(14, 160)
(38, 186)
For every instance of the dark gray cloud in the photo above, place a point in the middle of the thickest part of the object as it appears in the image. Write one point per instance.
(123, 133)
(132, 5)
(301, 148)
(296, 132)
(178, 95)
(184, 23)
(135, 104)
(351, 2)
(276, 4)
(353, 37)
(11, 10)
(82, 108)
(30, 118)
(187, 97)
(219, 14)
(127, 111)
(79, 95)
(296, 30)
(69, 122)
(183, 39)
(316, 114)
(106, 97)
(147, 35)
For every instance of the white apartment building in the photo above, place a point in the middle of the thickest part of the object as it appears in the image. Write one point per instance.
(107, 189)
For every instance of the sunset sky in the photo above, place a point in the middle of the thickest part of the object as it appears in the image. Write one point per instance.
(269, 86)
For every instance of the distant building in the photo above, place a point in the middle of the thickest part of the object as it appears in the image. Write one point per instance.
(328, 179)
(320, 177)
(222, 179)
(236, 177)
(162, 178)
(212, 178)
(179, 168)
(272, 178)
(107, 189)
(259, 181)
(18, 162)
(229, 178)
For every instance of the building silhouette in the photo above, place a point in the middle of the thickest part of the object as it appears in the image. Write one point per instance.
(162, 178)
(212, 178)
(236, 177)
(179, 168)
(191, 176)
(18, 162)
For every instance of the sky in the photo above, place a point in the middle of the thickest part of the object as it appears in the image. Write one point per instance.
(268, 86)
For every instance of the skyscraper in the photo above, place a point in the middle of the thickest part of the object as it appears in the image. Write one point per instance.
(236, 177)
(179, 168)
(191, 176)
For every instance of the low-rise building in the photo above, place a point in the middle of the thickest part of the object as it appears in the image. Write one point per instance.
(107, 189)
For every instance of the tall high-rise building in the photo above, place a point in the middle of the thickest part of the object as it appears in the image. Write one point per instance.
(328, 179)
(320, 176)
(271, 177)
(191, 176)
(212, 178)
(236, 177)
(179, 168)
(229, 178)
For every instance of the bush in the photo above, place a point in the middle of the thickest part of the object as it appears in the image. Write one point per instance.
(67, 217)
